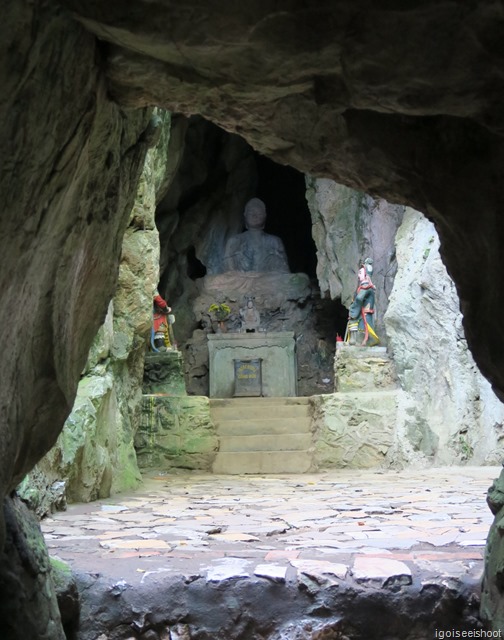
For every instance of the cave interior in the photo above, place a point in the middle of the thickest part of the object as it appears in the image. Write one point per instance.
(202, 177)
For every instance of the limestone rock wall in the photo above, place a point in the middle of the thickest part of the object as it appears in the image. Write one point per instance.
(349, 226)
(67, 189)
(71, 159)
(447, 413)
(451, 414)
(94, 454)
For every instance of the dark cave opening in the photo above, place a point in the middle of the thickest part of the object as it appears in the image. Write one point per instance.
(331, 319)
(195, 268)
(217, 173)
(283, 190)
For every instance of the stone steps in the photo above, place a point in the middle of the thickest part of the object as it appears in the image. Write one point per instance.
(262, 412)
(258, 426)
(259, 401)
(263, 462)
(262, 435)
(266, 442)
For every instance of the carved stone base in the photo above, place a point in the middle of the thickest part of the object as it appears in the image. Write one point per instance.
(163, 374)
(363, 369)
(276, 350)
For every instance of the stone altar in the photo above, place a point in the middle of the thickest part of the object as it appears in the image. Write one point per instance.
(277, 350)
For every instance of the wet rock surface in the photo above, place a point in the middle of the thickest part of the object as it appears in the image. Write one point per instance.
(360, 554)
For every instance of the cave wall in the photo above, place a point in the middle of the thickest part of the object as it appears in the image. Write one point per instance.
(349, 226)
(67, 184)
(28, 602)
(70, 163)
(94, 455)
(403, 102)
(449, 413)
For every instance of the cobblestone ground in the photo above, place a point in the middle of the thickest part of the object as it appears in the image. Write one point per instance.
(359, 526)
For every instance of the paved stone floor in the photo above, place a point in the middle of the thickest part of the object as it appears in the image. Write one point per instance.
(362, 526)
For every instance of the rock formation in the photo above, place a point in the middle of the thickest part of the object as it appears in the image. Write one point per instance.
(450, 413)
(94, 455)
(70, 165)
(402, 102)
(349, 226)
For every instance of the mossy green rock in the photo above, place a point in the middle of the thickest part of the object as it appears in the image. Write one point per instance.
(491, 596)
(94, 454)
(67, 594)
(163, 374)
(176, 432)
(28, 598)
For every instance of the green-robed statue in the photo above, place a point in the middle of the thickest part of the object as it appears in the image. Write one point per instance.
(361, 318)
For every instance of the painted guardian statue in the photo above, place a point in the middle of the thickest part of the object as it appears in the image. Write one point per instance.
(361, 315)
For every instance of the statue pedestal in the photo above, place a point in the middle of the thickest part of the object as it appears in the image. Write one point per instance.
(276, 350)
(163, 374)
(363, 369)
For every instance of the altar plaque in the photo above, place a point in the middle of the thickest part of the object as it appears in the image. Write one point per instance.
(248, 377)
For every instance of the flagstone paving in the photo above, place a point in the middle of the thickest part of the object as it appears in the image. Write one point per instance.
(366, 526)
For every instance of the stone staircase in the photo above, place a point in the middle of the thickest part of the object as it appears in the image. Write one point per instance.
(262, 435)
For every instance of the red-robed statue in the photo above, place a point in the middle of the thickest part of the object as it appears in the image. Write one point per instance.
(162, 319)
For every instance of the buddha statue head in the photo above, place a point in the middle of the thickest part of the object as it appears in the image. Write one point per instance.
(255, 214)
